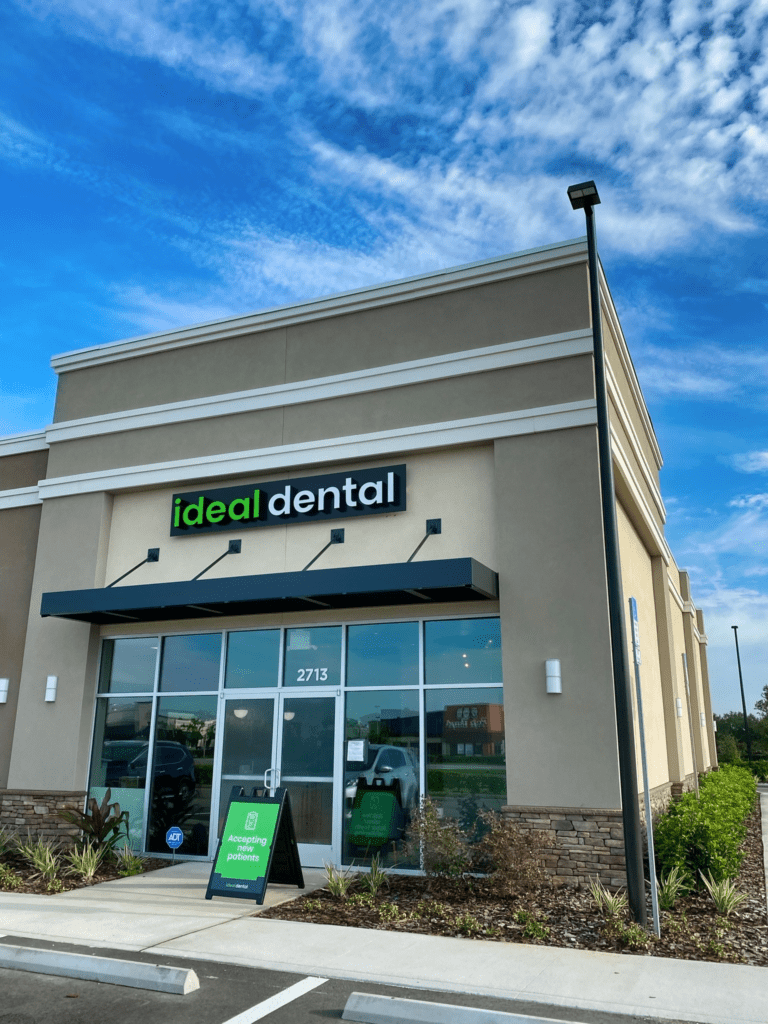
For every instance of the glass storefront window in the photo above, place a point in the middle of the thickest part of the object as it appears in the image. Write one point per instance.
(128, 665)
(182, 772)
(463, 651)
(191, 662)
(381, 775)
(383, 654)
(252, 658)
(313, 656)
(466, 761)
(120, 741)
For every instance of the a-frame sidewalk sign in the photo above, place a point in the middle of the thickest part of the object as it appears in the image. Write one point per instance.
(257, 846)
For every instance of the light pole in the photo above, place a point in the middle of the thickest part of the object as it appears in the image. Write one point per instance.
(743, 702)
(584, 197)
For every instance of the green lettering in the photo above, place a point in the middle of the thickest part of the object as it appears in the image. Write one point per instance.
(256, 496)
(245, 503)
(215, 511)
(177, 512)
(195, 510)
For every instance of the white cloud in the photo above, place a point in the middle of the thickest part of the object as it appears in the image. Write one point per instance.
(751, 462)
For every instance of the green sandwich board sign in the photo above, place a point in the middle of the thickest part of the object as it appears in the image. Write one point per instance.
(257, 846)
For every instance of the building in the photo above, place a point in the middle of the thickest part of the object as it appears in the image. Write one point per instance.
(341, 540)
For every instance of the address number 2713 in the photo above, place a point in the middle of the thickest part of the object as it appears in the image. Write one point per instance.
(308, 675)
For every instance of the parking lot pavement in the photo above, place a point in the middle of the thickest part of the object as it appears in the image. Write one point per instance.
(228, 994)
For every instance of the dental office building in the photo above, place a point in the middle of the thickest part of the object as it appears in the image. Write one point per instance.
(333, 546)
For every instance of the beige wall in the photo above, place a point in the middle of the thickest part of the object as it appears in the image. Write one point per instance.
(486, 314)
(637, 582)
(678, 635)
(52, 740)
(23, 470)
(562, 749)
(477, 394)
(18, 545)
(455, 486)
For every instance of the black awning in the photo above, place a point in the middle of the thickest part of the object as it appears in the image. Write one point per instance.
(360, 586)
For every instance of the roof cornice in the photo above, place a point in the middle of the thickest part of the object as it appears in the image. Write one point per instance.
(500, 268)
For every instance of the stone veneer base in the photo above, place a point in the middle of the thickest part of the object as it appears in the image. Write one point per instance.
(588, 842)
(36, 812)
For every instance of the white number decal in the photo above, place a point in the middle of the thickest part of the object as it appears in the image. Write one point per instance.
(305, 675)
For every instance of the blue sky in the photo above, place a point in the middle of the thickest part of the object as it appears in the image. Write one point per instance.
(169, 163)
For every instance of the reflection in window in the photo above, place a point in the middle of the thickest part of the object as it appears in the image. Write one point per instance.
(191, 662)
(120, 739)
(182, 772)
(381, 774)
(128, 665)
(252, 658)
(313, 656)
(463, 651)
(383, 654)
(466, 762)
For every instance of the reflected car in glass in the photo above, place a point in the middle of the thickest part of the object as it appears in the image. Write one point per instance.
(173, 770)
(387, 763)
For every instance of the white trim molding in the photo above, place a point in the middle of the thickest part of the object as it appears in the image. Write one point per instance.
(416, 371)
(530, 261)
(624, 466)
(425, 437)
(18, 497)
(19, 444)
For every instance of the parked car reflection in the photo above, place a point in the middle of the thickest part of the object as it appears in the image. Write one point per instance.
(173, 770)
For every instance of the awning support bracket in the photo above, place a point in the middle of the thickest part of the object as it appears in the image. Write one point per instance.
(233, 549)
(337, 537)
(434, 526)
(153, 555)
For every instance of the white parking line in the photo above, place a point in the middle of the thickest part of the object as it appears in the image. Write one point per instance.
(254, 1013)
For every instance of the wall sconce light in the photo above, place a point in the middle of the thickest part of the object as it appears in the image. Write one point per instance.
(554, 680)
(241, 712)
(714, 724)
(702, 720)
(679, 706)
(51, 684)
(289, 715)
(4, 684)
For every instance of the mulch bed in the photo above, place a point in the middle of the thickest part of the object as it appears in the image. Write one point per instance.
(29, 883)
(553, 915)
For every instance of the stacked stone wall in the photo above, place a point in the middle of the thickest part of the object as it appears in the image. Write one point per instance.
(587, 843)
(36, 813)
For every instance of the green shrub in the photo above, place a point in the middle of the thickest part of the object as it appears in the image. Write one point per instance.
(702, 837)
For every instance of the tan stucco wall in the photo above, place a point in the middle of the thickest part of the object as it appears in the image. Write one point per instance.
(637, 582)
(455, 486)
(439, 401)
(679, 649)
(562, 748)
(485, 314)
(52, 740)
(18, 545)
(22, 470)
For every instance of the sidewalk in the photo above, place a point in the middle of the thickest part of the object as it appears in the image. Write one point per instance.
(166, 913)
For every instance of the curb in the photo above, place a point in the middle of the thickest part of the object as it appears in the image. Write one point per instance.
(371, 1009)
(176, 980)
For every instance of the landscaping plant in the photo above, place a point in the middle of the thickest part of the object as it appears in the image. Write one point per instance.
(703, 837)
(84, 861)
(100, 824)
(41, 855)
(338, 882)
(725, 895)
(671, 887)
(511, 855)
(377, 876)
(441, 843)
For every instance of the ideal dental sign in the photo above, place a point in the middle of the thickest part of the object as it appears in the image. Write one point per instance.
(311, 499)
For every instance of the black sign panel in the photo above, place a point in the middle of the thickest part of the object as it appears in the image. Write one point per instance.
(257, 846)
(310, 499)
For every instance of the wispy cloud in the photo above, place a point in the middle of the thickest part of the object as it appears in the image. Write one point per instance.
(751, 462)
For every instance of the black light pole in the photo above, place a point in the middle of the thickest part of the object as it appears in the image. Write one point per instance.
(585, 197)
(743, 702)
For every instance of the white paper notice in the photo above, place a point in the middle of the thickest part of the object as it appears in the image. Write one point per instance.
(355, 750)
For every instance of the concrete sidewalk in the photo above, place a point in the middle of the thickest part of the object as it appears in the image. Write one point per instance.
(166, 913)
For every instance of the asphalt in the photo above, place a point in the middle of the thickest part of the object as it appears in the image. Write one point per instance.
(166, 913)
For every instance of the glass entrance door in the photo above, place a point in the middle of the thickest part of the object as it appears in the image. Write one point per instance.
(288, 740)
